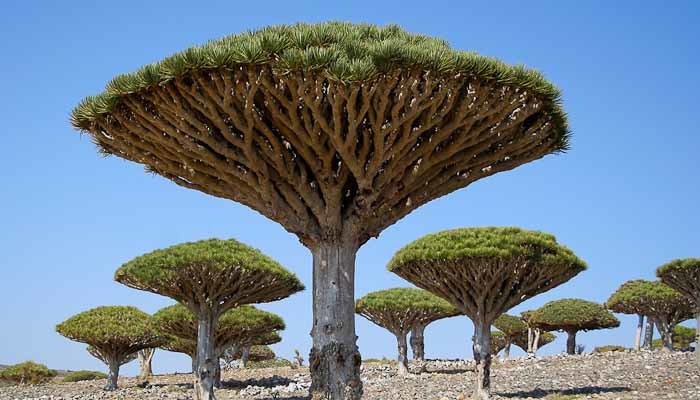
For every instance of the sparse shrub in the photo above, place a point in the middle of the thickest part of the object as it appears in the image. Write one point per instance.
(611, 347)
(27, 372)
(78, 376)
(274, 363)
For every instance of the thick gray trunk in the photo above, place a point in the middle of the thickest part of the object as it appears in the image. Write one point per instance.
(418, 342)
(638, 336)
(649, 333)
(334, 361)
(697, 337)
(530, 339)
(482, 357)
(113, 375)
(206, 357)
(194, 365)
(146, 362)
(217, 375)
(571, 342)
(666, 332)
(536, 342)
(403, 353)
(245, 355)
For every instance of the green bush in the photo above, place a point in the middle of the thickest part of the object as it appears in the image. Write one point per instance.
(611, 347)
(274, 363)
(78, 376)
(27, 373)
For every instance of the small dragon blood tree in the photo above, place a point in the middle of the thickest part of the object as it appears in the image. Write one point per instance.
(398, 310)
(209, 278)
(655, 300)
(233, 326)
(572, 316)
(241, 349)
(539, 340)
(115, 335)
(417, 340)
(512, 327)
(684, 276)
(498, 342)
(334, 130)
(484, 272)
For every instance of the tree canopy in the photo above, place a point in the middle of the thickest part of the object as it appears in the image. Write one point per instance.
(350, 107)
(510, 325)
(235, 273)
(684, 276)
(545, 338)
(244, 323)
(650, 298)
(573, 314)
(123, 328)
(498, 342)
(520, 263)
(399, 309)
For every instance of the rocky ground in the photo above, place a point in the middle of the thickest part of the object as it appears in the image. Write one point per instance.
(623, 376)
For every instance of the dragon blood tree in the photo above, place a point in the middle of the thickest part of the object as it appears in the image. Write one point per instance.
(655, 300)
(334, 130)
(235, 325)
(683, 337)
(241, 349)
(145, 357)
(572, 316)
(484, 272)
(417, 339)
(398, 310)
(512, 327)
(114, 335)
(498, 342)
(534, 337)
(209, 278)
(684, 276)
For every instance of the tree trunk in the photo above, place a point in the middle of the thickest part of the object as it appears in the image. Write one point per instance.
(217, 375)
(571, 342)
(245, 355)
(206, 357)
(506, 350)
(530, 339)
(146, 362)
(113, 375)
(335, 360)
(649, 333)
(403, 353)
(536, 342)
(638, 336)
(194, 365)
(697, 337)
(482, 357)
(666, 332)
(418, 342)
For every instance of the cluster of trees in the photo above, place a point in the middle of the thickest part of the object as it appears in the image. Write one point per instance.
(337, 131)
(213, 281)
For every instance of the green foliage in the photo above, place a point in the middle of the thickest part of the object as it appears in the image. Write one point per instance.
(78, 376)
(406, 299)
(157, 270)
(506, 243)
(179, 321)
(573, 314)
(683, 265)
(682, 338)
(342, 51)
(611, 347)
(111, 324)
(510, 325)
(273, 363)
(646, 298)
(27, 372)
(498, 342)
(180, 345)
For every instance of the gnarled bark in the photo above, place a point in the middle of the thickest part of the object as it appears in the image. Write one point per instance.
(482, 357)
(649, 333)
(206, 358)
(666, 332)
(403, 351)
(113, 374)
(571, 342)
(638, 336)
(334, 360)
(418, 342)
(536, 341)
(245, 355)
(146, 363)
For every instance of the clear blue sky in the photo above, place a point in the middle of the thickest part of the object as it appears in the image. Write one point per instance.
(625, 198)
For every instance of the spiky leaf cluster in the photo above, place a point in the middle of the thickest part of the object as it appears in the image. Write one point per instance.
(510, 325)
(573, 315)
(684, 276)
(506, 266)
(244, 323)
(336, 131)
(651, 298)
(116, 332)
(399, 309)
(221, 273)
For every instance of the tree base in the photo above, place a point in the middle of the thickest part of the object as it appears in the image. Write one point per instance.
(335, 373)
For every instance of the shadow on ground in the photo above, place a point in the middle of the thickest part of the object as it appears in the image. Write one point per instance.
(586, 390)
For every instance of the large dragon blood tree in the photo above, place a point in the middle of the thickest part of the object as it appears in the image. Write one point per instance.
(485, 272)
(684, 276)
(209, 278)
(655, 300)
(398, 310)
(334, 130)
(115, 334)
(572, 316)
